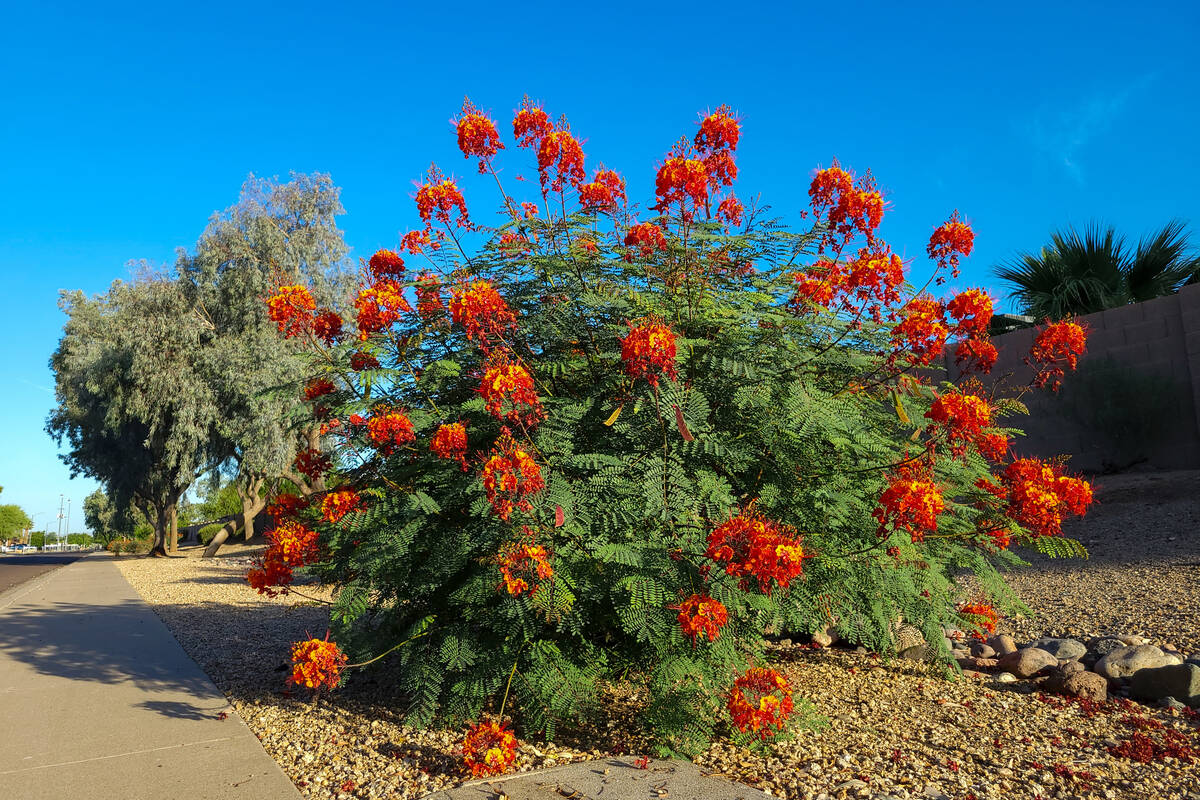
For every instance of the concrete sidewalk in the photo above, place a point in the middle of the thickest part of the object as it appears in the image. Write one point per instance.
(98, 701)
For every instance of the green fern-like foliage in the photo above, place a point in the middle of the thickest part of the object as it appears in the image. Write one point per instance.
(804, 413)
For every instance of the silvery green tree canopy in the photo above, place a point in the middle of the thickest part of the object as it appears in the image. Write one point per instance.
(134, 406)
(276, 233)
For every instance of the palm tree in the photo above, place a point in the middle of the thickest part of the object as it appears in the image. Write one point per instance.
(1079, 273)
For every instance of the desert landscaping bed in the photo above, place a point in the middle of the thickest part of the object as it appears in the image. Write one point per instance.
(891, 727)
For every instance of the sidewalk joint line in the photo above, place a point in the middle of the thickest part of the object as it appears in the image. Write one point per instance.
(120, 755)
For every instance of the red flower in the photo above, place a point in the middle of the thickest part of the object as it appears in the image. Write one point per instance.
(489, 748)
(477, 135)
(386, 264)
(438, 197)
(849, 206)
(450, 442)
(510, 478)
(681, 178)
(429, 296)
(317, 663)
(522, 563)
(972, 310)
(318, 387)
(292, 544)
(950, 241)
(977, 354)
(388, 430)
(531, 125)
(312, 463)
(270, 575)
(648, 351)
(873, 277)
(285, 506)
(701, 615)
(1038, 496)
(759, 701)
(993, 446)
(509, 393)
(513, 245)
(910, 503)
(731, 211)
(922, 331)
(648, 237)
(751, 546)
(327, 326)
(1058, 345)
(415, 242)
(561, 152)
(963, 418)
(290, 308)
(479, 308)
(720, 130)
(981, 616)
(379, 306)
(362, 360)
(338, 504)
(604, 192)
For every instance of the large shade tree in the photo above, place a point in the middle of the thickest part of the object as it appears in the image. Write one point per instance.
(276, 233)
(1081, 272)
(134, 409)
(106, 521)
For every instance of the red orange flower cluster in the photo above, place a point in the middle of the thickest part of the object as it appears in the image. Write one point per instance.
(531, 124)
(977, 354)
(511, 477)
(731, 211)
(479, 308)
(292, 544)
(921, 333)
(604, 192)
(379, 306)
(286, 506)
(963, 418)
(313, 463)
(327, 326)
(362, 360)
(648, 351)
(437, 198)
(450, 442)
(523, 567)
(760, 702)
(701, 615)
(849, 206)
(972, 312)
(1038, 496)
(429, 296)
(290, 308)
(385, 264)
(1058, 345)
(318, 387)
(980, 615)
(339, 503)
(508, 391)
(951, 241)
(389, 429)
(477, 135)
(317, 663)
(561, 153)
(716, 142)
(912, 502)
(751, 546)
(680, 179)
(489, 748)
(647, 237)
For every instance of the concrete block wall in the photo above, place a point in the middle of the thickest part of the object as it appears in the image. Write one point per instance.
(1159, 336)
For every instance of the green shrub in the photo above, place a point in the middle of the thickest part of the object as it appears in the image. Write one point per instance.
(660, 418)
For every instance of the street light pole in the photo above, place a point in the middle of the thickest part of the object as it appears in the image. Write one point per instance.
(68, 521)
(60, 520)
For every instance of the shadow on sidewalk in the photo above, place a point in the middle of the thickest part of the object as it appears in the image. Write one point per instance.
(101, 643)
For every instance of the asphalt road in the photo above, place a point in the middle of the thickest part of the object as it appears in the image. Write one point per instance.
(15, 569)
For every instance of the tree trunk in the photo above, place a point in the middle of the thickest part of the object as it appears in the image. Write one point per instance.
(158, 547)
(252, 503)
(222, 536)
(173, 532)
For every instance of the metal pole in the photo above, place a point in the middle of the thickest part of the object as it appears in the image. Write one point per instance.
(68, 520)
(60, 520)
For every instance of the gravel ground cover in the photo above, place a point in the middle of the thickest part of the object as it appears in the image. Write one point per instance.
(888, 728)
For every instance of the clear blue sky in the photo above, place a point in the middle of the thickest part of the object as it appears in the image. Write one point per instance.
(125, 125)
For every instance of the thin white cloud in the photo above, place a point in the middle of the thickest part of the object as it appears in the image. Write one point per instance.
(1063, 133)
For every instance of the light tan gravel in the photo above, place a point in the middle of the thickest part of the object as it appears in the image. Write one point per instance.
(893, 729)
